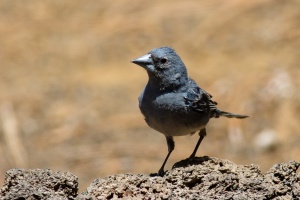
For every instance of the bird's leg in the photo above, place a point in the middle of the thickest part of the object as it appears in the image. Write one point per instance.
(202, 134)
(171, 146)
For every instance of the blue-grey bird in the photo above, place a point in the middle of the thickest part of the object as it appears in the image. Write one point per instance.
(172, 103)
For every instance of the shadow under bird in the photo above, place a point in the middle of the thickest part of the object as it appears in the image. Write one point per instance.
(172, 103)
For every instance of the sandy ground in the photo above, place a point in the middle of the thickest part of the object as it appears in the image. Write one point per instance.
(69, 92)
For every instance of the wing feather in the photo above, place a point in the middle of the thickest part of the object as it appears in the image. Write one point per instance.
(198, 99)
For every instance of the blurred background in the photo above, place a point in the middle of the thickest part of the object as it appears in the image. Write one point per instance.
(69, 92)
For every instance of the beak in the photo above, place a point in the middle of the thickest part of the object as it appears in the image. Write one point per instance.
(144, 61)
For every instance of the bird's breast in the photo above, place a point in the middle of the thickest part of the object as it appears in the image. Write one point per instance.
(168, 114)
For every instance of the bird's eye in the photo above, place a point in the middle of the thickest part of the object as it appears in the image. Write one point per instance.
(163, 60)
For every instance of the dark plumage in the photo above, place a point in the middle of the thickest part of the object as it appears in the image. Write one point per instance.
(172, 103)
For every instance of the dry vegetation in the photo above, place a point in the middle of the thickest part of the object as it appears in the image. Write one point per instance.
(69, 93)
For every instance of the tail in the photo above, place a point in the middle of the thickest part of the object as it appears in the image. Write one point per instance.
(219, 113)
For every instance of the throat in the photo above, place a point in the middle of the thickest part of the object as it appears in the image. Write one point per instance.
(167, 84)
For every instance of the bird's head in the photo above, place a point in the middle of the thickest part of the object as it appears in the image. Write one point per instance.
(164, 67)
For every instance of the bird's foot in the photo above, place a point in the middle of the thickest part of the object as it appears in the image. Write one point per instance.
(160, 173)
(153, 174)
(191, 161)
(191, 157)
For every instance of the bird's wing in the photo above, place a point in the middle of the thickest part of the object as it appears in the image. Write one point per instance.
(198, 99)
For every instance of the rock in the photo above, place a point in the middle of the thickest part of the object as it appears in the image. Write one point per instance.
(199, 178)
(202, 178)
(38, 184)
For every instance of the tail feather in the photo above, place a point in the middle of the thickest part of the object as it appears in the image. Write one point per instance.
(229, 115)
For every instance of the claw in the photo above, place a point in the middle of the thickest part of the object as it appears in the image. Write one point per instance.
(161, 172)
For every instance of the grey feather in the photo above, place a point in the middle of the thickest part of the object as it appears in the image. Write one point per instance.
(172, 103)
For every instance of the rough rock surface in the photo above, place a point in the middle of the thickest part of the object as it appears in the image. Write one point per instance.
(200, 178)
(38, 184)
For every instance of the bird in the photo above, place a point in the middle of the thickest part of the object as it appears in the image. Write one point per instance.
(172, 103)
